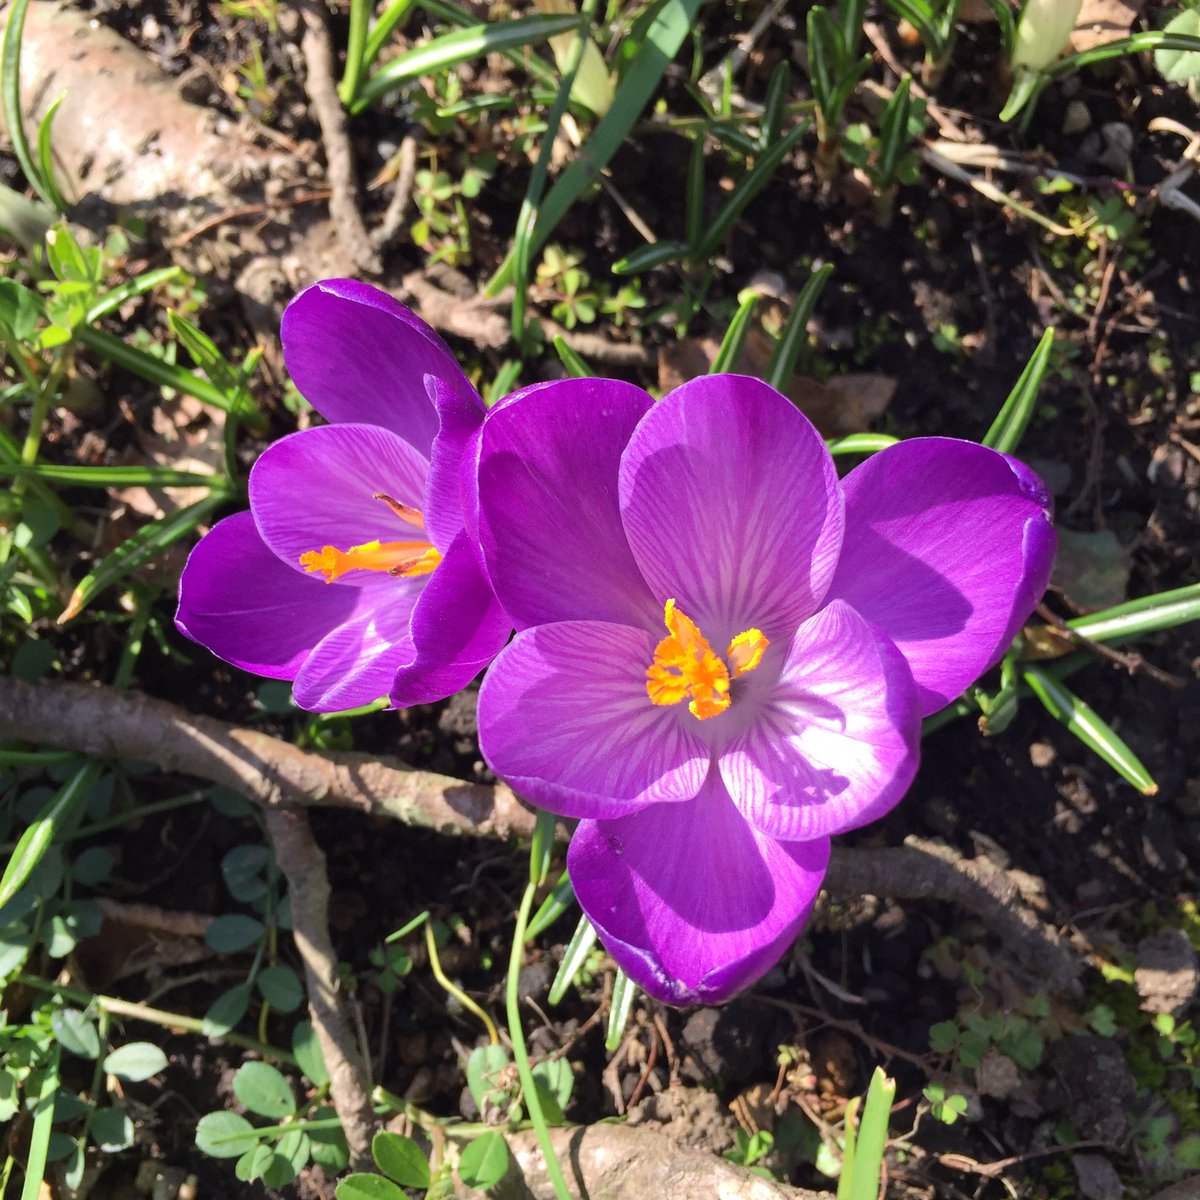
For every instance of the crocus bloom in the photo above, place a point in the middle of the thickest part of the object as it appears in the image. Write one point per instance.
(723, 653)
(352, 574)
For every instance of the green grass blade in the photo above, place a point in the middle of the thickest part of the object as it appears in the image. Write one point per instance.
(693, 202)
(39, 1139)
(149, 541)
(1010, 423)
(795, 329)
(1002, 11)
(577, 951)
(871, 1139)
(574, 365)
(543, 72)
(1091, 729)
(1135, 43)
(450, 49)
(624, 992)
(146, 282)
(561, 897)
(1165, 610)
(778, 88)
(735, 336)
(648, 257)
(104, 477)
(36, 840)
(10, 97)
(147, 367)
(392, 16)
(46, 154)
(750, 184)
(861, 443)
(668, 29)
(849, 1145)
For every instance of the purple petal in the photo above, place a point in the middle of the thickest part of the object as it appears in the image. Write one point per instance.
(458, 627)
(317, 488)
(834, 742)
(948, 549)
(452, 480)
(550, 527)
(356, 662)
(564, 718)
(247, 607)
(356, 354)
(731, 505)
(692, 902)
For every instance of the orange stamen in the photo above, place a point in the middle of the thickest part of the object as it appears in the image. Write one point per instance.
(397, 558)
(686, 667)
(405, 512)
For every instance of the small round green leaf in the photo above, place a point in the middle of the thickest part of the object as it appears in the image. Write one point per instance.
(264, 1090)
(111, 1129)
(308, 1054)
(225, 1135)
(1178, 66)
(281, 988)
(401, 1159)
(328, 1146)
(76, 1032)
(227, 1010)
(368, 1187)
(483, 1161)
(254, 1163)
(234, 932)
(243, 869)
(135, 1061)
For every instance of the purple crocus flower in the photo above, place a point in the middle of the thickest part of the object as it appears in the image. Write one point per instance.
(723, 653)
(352, 574)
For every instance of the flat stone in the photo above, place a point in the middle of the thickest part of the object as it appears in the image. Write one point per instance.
(1167, 975)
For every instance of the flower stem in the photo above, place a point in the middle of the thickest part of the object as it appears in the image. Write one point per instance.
(521, 1056)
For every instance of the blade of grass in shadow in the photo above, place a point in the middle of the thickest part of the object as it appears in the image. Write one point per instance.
(573, 364)
(1010, 423)
(109, 476)
(667, 30)
(450, 49)
(623, 994)
(735, 336)
(795, 329)
(149, 541)
(1089, 727)
(10, 97)
(522, 251)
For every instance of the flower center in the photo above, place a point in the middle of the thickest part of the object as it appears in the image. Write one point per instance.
(686, 667)
(396, 558)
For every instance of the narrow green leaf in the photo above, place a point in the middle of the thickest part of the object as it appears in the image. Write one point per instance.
(450, 49)
(575, 955)
(574, 365)
(1011, 421)
(669, 25)
(624, 992)
(147, 281)
(33, 844)
(264, 1090)
(401, 1159)
(1088, 727)
(43, 1118)
(46, 155)
(650, 256)
(778, 89)
(106, 477)
(1165, 610)
(149, 541)
(730, 351)
(561, 897)
(10, 97)
(135, 1061)
(872, 1138)
(747, 187)
(861, 443)
(391, 16)
(795, 330)
(484, 1161)
(693, 201)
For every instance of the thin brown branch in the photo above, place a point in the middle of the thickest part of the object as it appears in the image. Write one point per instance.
(303, 864)
(100, 721)
(319, 82)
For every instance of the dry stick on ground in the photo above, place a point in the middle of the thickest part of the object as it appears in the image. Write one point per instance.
(98, 720)
(303, 864)
(339, 160)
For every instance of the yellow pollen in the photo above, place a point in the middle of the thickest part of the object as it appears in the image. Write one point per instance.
(396, 558)
(686, 667)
